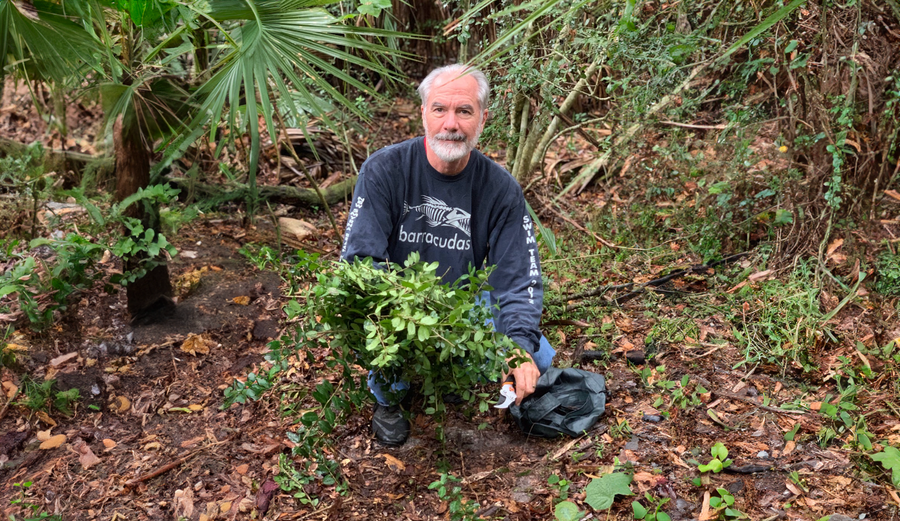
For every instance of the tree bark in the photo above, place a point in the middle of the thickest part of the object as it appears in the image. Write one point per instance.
(152, 292)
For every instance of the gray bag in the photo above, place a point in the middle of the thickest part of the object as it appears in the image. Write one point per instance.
(565, 401)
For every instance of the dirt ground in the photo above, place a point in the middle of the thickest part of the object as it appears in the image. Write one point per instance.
(150, 439)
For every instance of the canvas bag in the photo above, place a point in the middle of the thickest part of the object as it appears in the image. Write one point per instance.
(565, 401)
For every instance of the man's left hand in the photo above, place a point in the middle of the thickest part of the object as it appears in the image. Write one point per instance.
(526, 376)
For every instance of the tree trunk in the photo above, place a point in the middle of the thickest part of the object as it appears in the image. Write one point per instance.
(152, 293)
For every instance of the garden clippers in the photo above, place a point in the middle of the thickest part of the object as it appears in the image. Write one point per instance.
(507, 394)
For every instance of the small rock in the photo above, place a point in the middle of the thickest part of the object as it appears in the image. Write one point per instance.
(652, 418)
(840, 517)
(682, 505)
(633, 444)
(130, 337)
(636, 357)
(735, 487)
(762, 454)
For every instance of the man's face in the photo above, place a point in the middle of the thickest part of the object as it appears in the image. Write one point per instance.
(453, 117)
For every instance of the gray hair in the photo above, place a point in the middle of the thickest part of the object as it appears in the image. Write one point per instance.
(484, 88)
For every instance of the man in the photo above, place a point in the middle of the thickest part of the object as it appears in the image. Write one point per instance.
(441, 197)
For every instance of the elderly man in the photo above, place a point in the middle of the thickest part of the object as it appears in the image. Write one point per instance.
(439, 196)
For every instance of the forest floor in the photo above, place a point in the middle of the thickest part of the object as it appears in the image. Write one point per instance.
(149, 437)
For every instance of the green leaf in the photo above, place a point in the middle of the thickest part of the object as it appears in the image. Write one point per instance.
(639, 511)
(601, 492)
(720, 188)
(776, 17)
(373, 7)
(789, 436)
(662, 516)
(890, 460)
(783, 217)
(719, 451)
(568, 511)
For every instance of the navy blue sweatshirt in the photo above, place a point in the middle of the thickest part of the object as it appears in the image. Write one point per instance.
(478, 217)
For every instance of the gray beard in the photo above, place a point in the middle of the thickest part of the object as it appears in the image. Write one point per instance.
(451, 151)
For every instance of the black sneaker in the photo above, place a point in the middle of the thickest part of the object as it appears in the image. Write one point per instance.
(391, 428)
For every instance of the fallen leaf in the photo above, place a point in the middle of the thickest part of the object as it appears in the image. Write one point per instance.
(893, 494)
(153, 445)
(186, 444)
(195, 407)
(815, 406)
(704, 512)
(196, 344)
(54, 442)
(242, 300)
(59, 360)
(44, 417)
(11, 389)
(794, 490)
(893, 194)
(184, 503)
(788, 448)
(86, 456)
(109, 444)
(44, 435)
(225, 507)
(242, 469)
(245, 505)
(837, 243)
(760, 275)
(264, 496)
(121, 404)
(393, 463)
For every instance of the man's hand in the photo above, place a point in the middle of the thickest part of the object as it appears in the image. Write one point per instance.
(526, 376)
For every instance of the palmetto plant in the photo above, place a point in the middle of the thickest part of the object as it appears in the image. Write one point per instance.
(246, 54)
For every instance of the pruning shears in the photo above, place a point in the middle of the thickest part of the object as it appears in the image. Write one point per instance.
(507, 393)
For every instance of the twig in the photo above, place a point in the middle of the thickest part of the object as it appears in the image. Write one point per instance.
(639, 288)
(171, 465)
(688, 125)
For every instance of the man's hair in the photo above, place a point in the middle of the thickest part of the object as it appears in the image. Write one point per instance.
(458, 69)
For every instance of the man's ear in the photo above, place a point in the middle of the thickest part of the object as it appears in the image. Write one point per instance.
(484, 118)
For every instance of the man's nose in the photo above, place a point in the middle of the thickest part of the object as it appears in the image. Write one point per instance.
(451, 122)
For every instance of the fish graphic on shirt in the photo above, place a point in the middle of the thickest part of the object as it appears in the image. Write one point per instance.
(438, 213)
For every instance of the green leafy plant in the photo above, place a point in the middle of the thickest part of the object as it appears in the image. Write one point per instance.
(723, 502)
(720, 459)
(568, 511)
(449, 490)
(890, 460)
(887, 282)
(601, 492)
(24, 176)
(41, 396)
(561, 486)
(642, 512)
(405, 324)
(33, 511)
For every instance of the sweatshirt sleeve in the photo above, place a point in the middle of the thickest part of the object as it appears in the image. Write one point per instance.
(369, 220)
(516, 279)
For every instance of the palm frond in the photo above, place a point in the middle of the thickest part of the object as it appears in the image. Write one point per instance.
(52, 44)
